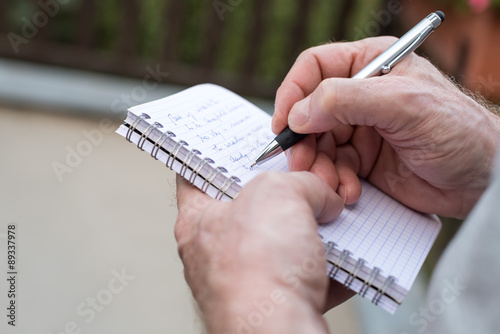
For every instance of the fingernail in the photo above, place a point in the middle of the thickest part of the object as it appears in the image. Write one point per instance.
(289, 157)
(342, 191)
(299, 115)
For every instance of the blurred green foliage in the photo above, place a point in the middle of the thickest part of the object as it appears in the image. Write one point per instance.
(151, 33)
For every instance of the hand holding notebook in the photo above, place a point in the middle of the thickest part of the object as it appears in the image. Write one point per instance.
(249, 241)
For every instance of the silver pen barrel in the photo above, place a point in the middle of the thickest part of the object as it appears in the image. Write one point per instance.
(406, 44)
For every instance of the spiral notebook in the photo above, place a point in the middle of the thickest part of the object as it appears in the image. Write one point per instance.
(210, 136)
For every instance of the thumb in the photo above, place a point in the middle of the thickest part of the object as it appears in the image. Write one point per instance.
(298, 192)
(189, 197)
(382, 102)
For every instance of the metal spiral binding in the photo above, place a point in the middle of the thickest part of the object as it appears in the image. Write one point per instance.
(225, 186)
(160, 142)
(174, 153)
(146, 133)
(134, 125)
(197, 169)
(188, 160)
(382, 290)
(369, 281)
(329, 246)
(211, 177)
(335, 268)
(354, 273)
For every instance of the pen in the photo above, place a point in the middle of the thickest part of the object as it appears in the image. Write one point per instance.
(380, 65)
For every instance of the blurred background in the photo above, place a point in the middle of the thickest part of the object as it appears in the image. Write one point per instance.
(94, 215)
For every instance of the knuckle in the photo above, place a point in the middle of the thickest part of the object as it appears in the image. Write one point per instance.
(282, 185)
(273, 180)
(183, 236)
(413, 97)
(180, 228)
(181, 252)
(380, 42)
(324, 96)
(310, 55)
(306, 54)
(389, 40)
(269, 185)
(406, 88)
(325, 99)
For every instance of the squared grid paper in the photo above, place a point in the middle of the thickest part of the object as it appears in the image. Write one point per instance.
(384, 233)
(232, 131)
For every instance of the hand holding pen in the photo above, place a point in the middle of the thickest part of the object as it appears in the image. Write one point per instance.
(380, 65)
(413, 134)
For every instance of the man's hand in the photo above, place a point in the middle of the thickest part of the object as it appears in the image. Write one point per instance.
(258, 261)
(412, 133)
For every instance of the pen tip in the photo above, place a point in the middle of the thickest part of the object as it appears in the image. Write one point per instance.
(254, 164)
(441, 15)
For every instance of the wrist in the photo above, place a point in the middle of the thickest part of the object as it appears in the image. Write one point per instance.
(488, 144)
(273, 310)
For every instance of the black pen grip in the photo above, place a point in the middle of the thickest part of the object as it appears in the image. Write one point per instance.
(287, 138)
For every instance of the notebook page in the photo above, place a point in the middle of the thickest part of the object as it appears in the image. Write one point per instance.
(232, 131)
(220, 124)
(385, 233)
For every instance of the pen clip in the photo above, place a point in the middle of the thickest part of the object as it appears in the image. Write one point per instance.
(412, 47)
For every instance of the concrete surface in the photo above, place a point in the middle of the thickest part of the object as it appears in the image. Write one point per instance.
(75, 91)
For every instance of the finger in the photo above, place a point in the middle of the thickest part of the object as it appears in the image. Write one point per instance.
(342, 134)
(372, 102)
(347, 165)
(326, 61)
(326, 205)
(326, 144)
(302, 155)
(190, 202)
(188, 195)
(187, 216)
(324, 168)
(323, 165)
(367, 142)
